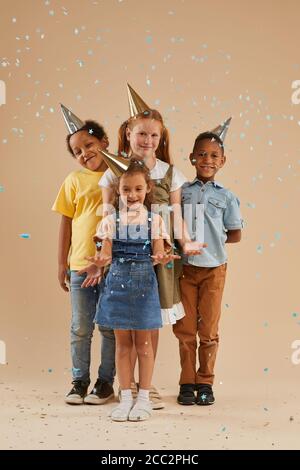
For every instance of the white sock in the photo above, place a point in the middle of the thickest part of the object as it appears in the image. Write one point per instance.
(143, 396)
(126, 397)
(125, 404)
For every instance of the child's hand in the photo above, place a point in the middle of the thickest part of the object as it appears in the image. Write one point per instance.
(163, 257)
(94, 275)
(63, 277)
(103, 259)
(193, 248)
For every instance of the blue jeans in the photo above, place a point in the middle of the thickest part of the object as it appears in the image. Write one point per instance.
(84, 305)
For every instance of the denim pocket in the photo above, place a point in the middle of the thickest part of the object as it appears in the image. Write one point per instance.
(215, 207)
(187, 198)
(114, 280)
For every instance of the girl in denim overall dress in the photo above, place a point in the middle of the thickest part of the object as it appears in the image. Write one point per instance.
(144, 137)
(132, 240)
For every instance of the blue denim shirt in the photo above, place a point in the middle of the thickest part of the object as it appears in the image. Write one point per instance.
(217, 211)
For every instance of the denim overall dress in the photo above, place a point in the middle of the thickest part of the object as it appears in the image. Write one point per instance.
(129, 298)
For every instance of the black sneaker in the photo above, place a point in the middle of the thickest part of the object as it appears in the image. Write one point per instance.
(77, 393)
(205, 395)
(186, 395)
(101, 393)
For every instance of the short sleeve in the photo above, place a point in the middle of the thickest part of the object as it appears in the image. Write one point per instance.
(178, 179)
(108, 179)
(65, 203)
(232, 215)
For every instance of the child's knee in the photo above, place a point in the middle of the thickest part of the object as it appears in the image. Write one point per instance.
(144, 348)
(82, 330)
(107, 333)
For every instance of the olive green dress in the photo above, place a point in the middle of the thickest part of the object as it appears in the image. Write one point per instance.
(168, 275)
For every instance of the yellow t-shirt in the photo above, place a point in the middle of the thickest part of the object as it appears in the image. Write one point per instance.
(79, 198)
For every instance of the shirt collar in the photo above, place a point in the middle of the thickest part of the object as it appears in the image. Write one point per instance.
(214, 183)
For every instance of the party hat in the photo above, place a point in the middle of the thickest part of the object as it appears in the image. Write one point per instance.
(72, 122)
(222, 129)
(118, 165)
(136, 104)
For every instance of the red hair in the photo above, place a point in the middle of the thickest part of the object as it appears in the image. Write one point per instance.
(162, 151)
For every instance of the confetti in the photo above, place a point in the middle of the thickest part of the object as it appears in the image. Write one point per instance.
(24, 235)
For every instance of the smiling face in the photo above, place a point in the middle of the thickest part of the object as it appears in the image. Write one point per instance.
(144, 138)
(133, 190)
(86, 149)
(208, 158)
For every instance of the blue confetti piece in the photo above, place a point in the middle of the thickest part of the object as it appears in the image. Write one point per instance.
(277, 236)
(266, 369)
(24, 235)
(149, 39)
(295, 314)
(1, 189)
(50, 370)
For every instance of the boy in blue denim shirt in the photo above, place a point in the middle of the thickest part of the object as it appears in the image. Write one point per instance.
(203, 278)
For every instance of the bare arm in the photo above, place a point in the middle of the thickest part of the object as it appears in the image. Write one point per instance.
(234, 236)
(64, 243)
(161, 245)
(107, 198)
(102, 257)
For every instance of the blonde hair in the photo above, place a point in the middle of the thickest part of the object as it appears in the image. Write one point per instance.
(162, 151)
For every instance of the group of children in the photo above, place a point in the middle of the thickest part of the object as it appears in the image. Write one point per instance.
(140, 263)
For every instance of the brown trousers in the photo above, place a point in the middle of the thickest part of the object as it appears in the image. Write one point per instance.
(201, 295)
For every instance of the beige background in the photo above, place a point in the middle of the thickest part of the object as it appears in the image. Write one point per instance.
(198, 62)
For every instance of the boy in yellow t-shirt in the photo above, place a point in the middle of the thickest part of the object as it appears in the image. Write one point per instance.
(77, 202)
